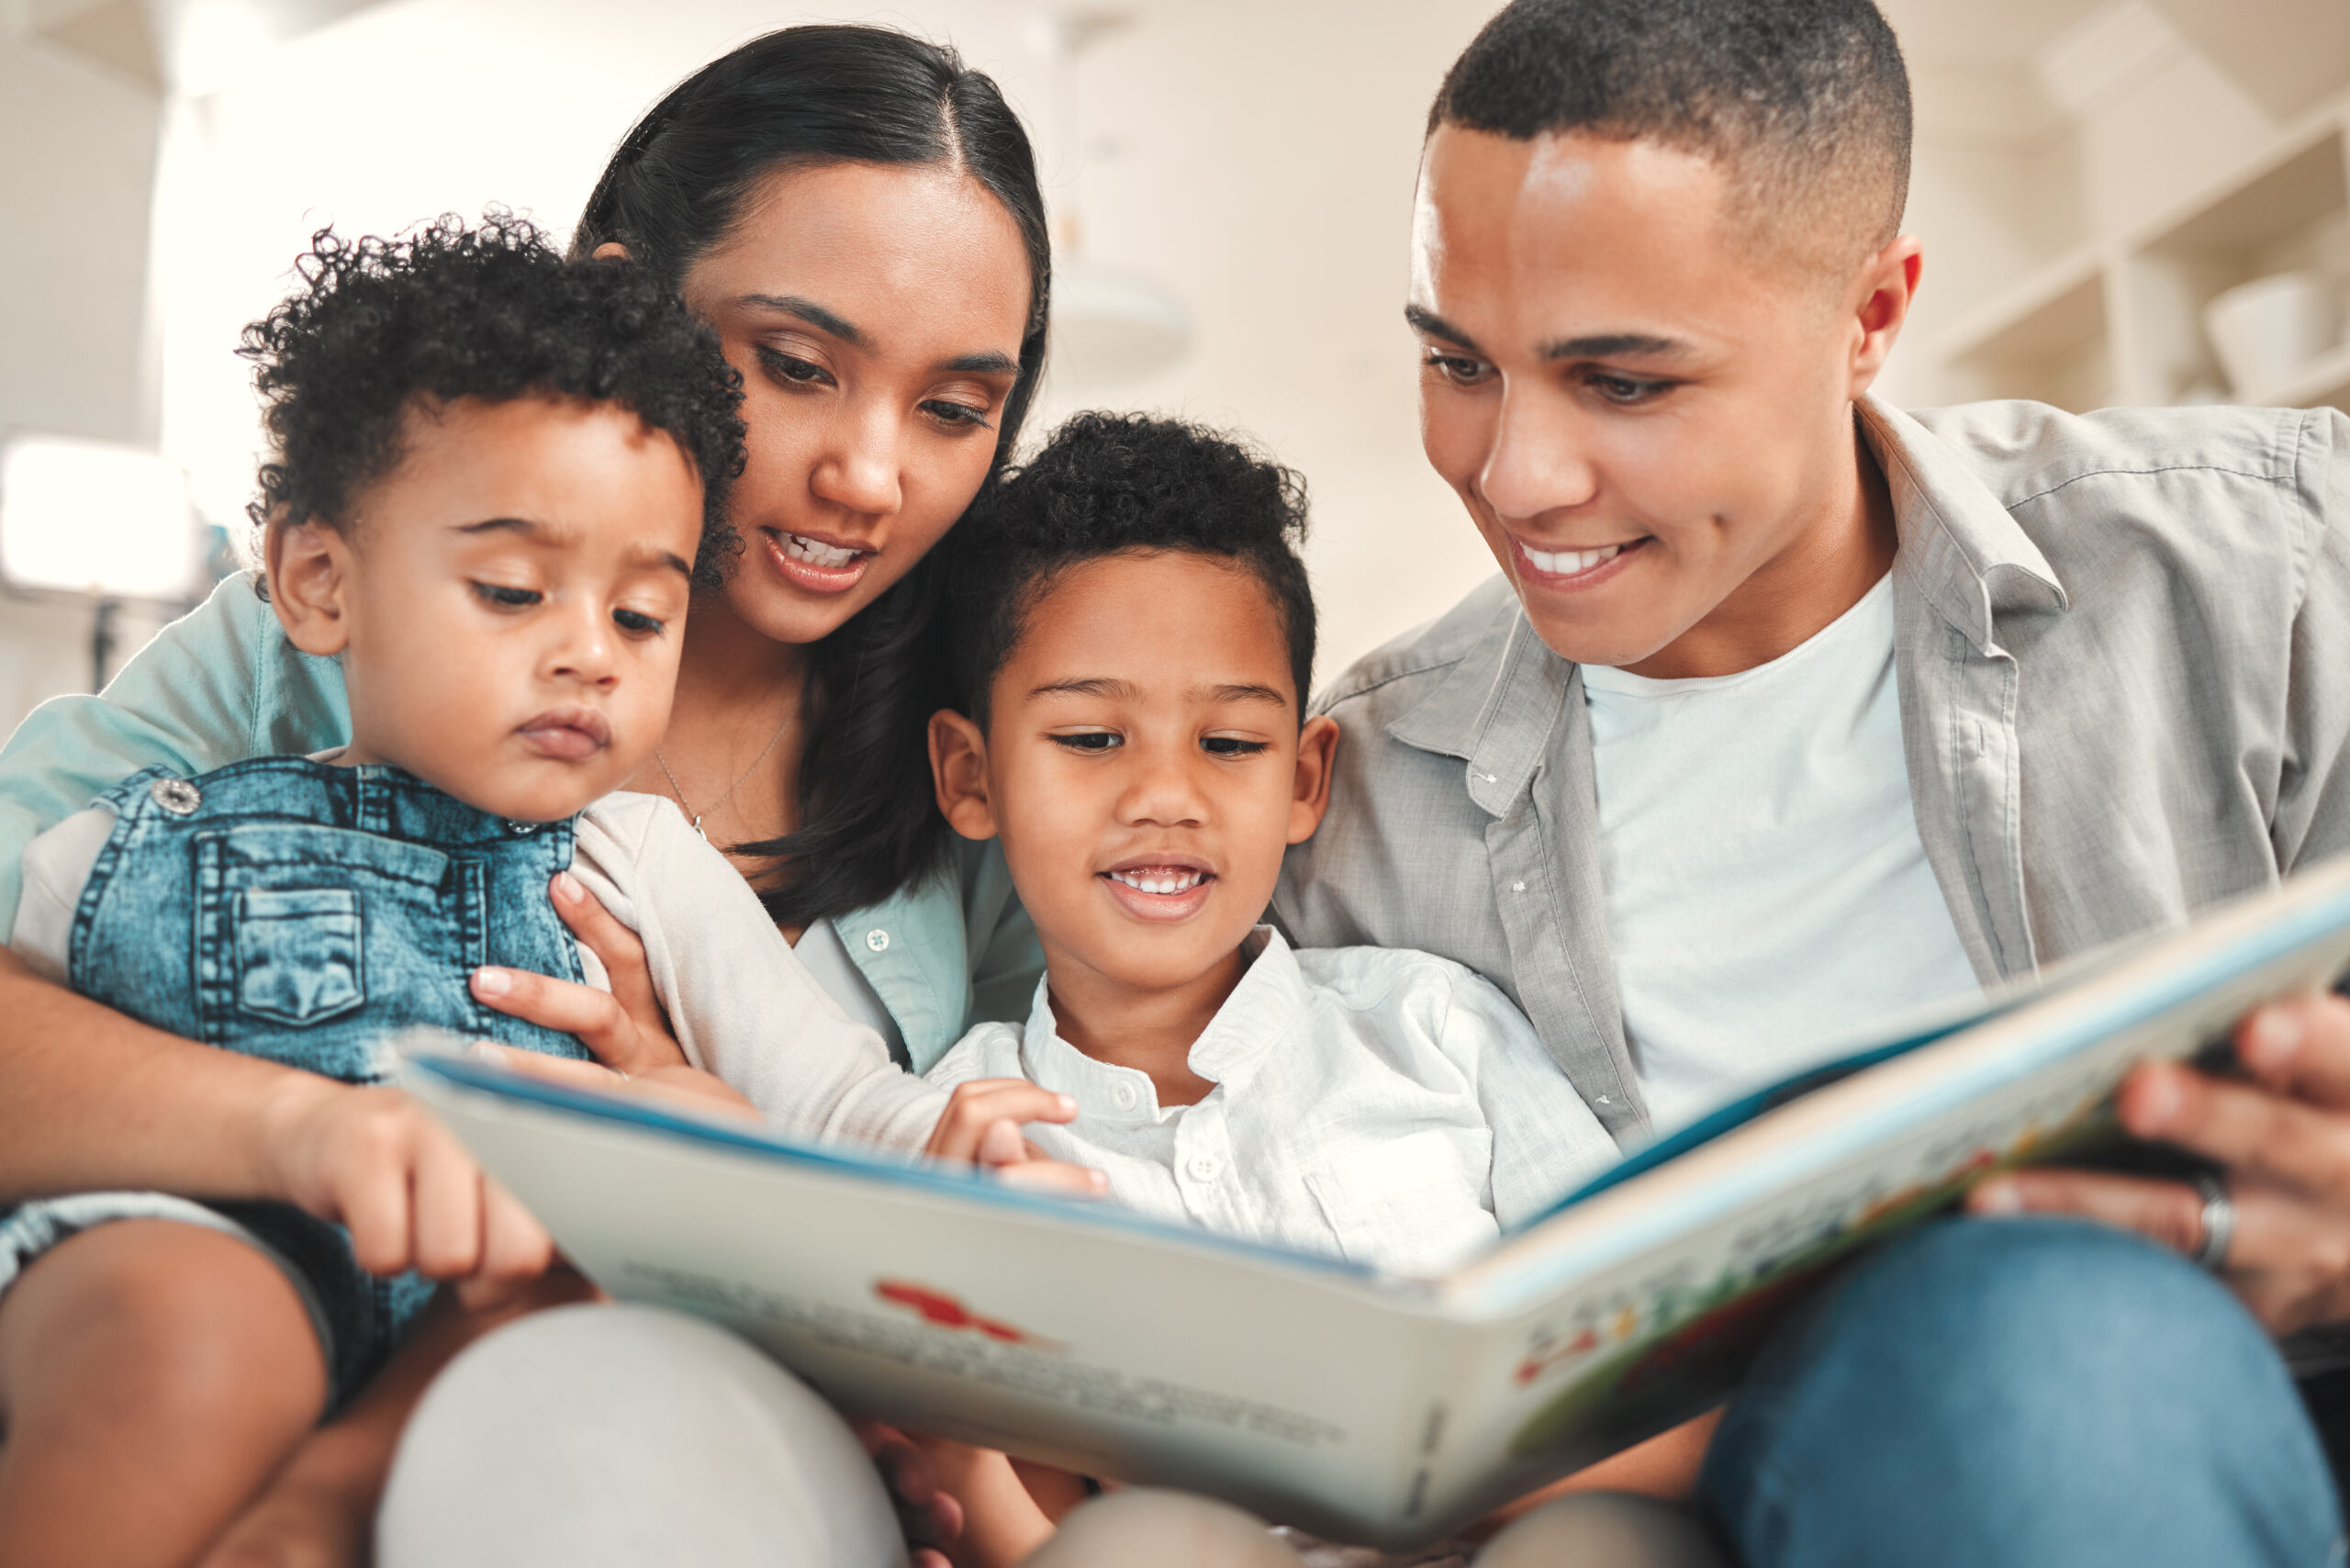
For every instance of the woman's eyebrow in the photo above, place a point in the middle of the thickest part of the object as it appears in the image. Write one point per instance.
(994, 362)
(808, 310)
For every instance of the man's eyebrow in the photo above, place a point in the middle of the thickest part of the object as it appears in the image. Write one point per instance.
(1613, 345)
(1436, 326)
(1088, 686)
(1248, 694)
(808, 310)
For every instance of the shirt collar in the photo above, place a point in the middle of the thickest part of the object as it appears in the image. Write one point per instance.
(1263, 1009)
(1496, 709)
(1970, 558)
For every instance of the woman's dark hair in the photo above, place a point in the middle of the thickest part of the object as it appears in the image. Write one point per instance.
(801, 97)
(1107, 484)
(493, 312)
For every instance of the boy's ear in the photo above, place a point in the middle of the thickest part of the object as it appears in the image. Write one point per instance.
(1318, 755)
(310, 576)
(958, 774)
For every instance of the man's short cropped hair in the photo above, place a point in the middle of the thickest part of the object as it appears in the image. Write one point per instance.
(1805, 103)
(1110, 484)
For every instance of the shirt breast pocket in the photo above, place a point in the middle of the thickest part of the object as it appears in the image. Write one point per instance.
(299, 953)
(1413, 1204)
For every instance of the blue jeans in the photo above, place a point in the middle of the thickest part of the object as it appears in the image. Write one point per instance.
(2019, 1393)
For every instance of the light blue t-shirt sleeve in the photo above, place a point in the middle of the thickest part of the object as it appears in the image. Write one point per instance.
(217, 686)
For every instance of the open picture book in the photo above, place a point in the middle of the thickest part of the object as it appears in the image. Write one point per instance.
(1361, 1406)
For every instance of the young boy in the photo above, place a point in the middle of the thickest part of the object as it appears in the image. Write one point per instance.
(1135, 634)
(499, 477)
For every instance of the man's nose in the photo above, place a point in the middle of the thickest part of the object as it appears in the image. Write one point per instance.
(1538, 461)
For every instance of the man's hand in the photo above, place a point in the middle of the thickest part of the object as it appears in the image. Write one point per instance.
(2285, 1139)
(376, 1162)
(981, 1126)
(623, 1028)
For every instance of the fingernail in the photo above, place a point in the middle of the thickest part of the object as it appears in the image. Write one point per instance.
(2150, 1102)
(492, 983)
(482, 1049)
(567, 888)
(1064, 1105)
(1998, 1198)
(2274, 1039)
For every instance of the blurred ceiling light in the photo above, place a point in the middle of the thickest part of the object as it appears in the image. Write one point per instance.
(90, 521)
(1112, 327)
(94, 520)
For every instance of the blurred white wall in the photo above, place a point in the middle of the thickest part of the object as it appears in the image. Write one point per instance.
(1257, 158)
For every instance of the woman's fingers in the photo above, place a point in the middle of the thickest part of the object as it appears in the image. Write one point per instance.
(566, 1006)
(2249, 1128)
(1037, 1175)
(621, 949)
(553, 1069)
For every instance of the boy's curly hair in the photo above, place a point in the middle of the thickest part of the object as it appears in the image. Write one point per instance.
(493, 312)
(1108, 483)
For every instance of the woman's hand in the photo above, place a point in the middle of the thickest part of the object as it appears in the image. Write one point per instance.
(982, 1127)
(625, 1029)
(680, 1085)
(2285, 1139)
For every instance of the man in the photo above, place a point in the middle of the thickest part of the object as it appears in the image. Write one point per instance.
(1790, 709)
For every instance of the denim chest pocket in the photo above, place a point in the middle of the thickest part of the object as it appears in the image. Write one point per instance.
(299, 953)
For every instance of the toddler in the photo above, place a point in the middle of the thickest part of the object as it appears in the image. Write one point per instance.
(499, 476)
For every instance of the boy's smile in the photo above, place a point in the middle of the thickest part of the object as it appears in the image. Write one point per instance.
(1143, 765)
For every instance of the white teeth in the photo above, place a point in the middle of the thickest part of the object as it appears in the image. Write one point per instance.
(815, 553)
(1566, 563)
(1181, 882)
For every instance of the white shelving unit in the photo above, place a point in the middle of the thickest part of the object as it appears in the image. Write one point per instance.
(2119, 319)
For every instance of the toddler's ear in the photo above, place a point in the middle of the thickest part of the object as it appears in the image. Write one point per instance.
(1317, 755)
(310, 580)
(958, 773)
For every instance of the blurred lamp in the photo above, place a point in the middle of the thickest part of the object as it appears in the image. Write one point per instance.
(92, 520)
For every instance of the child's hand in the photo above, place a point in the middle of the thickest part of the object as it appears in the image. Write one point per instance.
(981, 1125)
(412, 1197)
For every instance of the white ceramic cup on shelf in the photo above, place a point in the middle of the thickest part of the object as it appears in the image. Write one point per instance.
(2267, 330)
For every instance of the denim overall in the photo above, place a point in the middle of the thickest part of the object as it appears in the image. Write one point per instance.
(302, 912)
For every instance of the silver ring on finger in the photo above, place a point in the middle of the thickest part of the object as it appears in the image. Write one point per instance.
(2219, 1223)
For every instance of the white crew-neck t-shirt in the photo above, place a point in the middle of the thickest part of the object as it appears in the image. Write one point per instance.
(1768, 897)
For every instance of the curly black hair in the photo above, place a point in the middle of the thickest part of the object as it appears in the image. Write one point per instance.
(494, 312)
(1110, 483)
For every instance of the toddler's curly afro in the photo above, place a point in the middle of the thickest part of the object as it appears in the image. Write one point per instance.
(494, 312)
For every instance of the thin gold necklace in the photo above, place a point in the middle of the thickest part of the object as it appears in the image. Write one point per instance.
(696, 815)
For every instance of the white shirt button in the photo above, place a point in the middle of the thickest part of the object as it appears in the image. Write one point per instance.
(877, 939)
(1203, 1168)
(1518, 887)
(1122, 1096)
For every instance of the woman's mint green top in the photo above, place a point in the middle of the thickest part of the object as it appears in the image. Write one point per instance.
(223, 684)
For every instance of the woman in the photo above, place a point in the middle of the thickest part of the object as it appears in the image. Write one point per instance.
(858, 217)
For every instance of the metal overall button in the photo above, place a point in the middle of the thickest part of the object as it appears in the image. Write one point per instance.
(176, 796)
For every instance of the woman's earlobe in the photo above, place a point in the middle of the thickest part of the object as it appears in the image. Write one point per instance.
(610, 250)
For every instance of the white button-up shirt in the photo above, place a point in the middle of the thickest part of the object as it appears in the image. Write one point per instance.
(1390, 1107)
